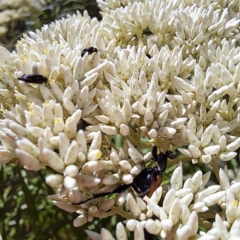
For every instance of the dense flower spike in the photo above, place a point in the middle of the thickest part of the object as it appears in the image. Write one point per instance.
(151, 73)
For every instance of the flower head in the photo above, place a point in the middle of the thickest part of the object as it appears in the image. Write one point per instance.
(162, 73)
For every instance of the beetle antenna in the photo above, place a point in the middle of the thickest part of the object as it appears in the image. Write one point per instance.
(119, 189)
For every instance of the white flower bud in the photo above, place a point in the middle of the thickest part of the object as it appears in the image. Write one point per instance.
(27, 160)
(186, 98)
(94, 155)
(223, 180)
(87, 181)
(109, 130)
(69, 106)
(127, 178)
(196, 180)
(36, 132)
(147, 157)
(177, 124)
(54, 180)
(222, 142)
(148, 118)
(185, 152)
(79, 221)
(184, 84)
(167, 132)
(46, 93)
(124, 129)
(75, 196)
(205, 179)
(193, 224)
(120, 232)
(210, 190)
(154, 208)
(117, 115)
(133, 207)
(52, 159)
(134, 153)
(187, 199)
(217, 94)
(81, 159)
(153, 227)
(26, 145)
(192, 138)
(206, 158)
(163, 214)
(64, 143)
(114, 157)
(184, 232)
(162, 118)
(141, 204)
(194, 151)
(17, 129)
(185, 213)
(207, 135)
(72, 153)
(82, 141)
(65, 206)
(174, 212)
(168, 200)
(125, 165)
(235, 188)
(71, 123)
(102, 118)
(90, 79)
(183, 192)
(214, 198)
(153, 133)
(157, 194)
(226, 156)
(233, 146)
(136, 169)
(166, 224)
(71, 171)
(110, 180)
(177, 178)
(127, 110)
(199, 132)
(57, 91)
(198, 206)
(69, 182)
(138, 232)
(58, 125)
(231, 210)
(107, 204)
(131, 224)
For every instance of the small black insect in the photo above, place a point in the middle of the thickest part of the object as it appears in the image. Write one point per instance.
(89, 50)
(148, 55)
(33, 78)
(147, 181)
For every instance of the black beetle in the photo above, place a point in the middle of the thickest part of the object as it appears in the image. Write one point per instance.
(146, 182)
(148, 55)
(89, 50)
(33, 78)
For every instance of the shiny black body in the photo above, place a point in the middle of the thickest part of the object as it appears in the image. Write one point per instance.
(148, 55)
(146, 181)
(89, 50)
(33, 78)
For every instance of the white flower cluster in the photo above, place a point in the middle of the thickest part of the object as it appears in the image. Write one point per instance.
(184, 207)
(165, 73)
